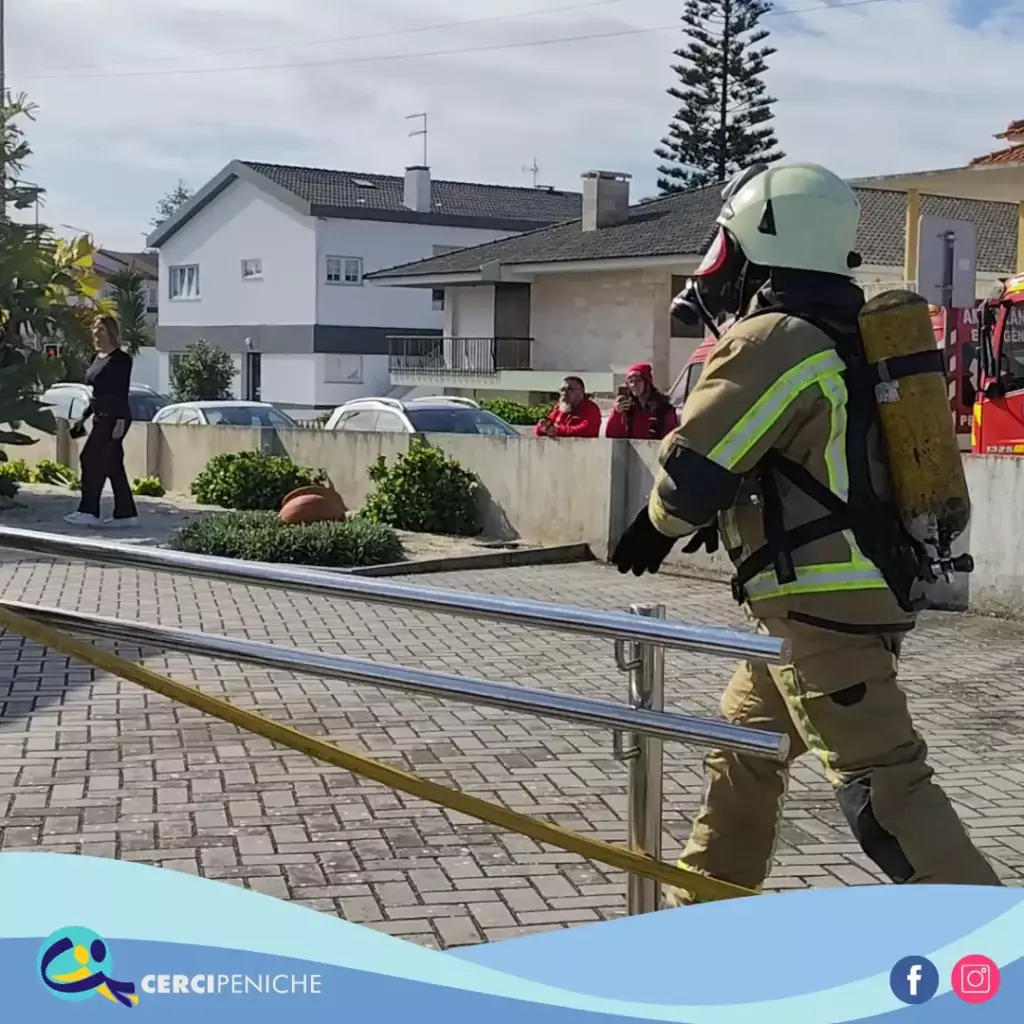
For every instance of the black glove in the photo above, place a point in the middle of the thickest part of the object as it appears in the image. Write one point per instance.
(641, 548)
(77, 430)
(707, 537)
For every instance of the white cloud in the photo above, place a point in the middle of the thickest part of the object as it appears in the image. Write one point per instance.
(887, 86)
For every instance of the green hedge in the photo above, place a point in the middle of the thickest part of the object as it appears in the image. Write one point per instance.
(424, 490)
(515, 413)
(252, 481)
(259, 537)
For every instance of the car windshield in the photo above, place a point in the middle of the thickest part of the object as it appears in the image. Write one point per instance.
(458, 419)
(144, 405)
(247, 416)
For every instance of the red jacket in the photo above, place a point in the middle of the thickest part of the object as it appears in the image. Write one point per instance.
(583, 421)
(640, 424)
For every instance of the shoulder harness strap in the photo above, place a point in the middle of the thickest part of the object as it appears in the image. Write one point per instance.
(893, 551)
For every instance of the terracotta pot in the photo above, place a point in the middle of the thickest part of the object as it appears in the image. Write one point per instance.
(312, 505)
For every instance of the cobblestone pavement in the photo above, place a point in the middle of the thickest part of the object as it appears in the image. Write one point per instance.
(92, 765)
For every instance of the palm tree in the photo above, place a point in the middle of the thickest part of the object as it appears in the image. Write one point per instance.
(129, 294)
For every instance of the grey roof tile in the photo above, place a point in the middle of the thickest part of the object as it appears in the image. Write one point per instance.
(683, 225)
(340, 190)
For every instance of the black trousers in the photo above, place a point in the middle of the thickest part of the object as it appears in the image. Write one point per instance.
(102, 459)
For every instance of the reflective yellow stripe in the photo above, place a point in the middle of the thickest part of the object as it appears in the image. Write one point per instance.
(817, 579)
(749, 429)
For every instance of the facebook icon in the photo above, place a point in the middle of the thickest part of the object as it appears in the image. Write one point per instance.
(914, 979)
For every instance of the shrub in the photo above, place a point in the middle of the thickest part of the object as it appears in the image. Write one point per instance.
(46, 471)
(259, 537)
(424, 490)
(148, 487)
(17, 470)
(515, 413)
(252, 480)
(202, 374)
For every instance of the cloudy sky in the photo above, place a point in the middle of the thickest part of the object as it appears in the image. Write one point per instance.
(134, 94)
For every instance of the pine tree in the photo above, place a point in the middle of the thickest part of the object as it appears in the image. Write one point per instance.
(724, 121)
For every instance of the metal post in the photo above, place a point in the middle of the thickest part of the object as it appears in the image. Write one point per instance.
(645, 760)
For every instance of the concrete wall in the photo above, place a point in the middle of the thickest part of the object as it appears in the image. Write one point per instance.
(560, 492)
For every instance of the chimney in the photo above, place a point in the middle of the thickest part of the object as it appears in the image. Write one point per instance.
(417, 189)
(605, 199)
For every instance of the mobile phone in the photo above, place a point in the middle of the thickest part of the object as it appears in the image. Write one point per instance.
(624, 392)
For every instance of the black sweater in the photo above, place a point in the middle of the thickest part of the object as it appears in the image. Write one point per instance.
(109, 377)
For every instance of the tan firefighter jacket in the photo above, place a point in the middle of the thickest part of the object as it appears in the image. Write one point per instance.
(773, 381)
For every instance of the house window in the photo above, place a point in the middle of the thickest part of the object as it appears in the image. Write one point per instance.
(183, 282)
(344, 270)
(437, 298)
(252, 269)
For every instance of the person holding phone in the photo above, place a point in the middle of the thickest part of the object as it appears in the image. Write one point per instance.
(102, 457)
(641, 410)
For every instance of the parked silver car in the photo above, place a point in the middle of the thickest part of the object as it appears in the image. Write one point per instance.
(442, 415)
(225, 414)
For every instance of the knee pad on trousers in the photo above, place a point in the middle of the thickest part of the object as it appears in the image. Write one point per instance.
(881, 846)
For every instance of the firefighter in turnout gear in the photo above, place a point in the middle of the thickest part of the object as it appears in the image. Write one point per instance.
(778, 456)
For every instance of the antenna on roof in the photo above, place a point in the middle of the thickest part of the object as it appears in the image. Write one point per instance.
(533, 169)
(420, 131)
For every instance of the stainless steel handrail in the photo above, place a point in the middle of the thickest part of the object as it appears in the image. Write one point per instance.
(581, 710)
(561, 618)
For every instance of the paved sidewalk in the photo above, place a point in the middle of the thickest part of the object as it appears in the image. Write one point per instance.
(92, 765)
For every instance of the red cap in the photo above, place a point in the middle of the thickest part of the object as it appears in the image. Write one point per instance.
(644, 370)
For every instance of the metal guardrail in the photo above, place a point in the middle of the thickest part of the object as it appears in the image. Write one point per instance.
(457, 356)
(639, 729)
(557, 617)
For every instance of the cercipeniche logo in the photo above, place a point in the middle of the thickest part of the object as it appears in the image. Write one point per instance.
(75, 964)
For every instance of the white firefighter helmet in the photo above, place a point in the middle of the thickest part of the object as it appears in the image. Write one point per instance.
(799, 216)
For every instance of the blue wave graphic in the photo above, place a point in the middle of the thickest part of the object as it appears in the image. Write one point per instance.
(657, 957)
(45, 892)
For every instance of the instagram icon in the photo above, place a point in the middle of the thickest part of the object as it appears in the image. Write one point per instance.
(975, 979)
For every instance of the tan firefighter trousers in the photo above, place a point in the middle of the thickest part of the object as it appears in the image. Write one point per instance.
(840, 701)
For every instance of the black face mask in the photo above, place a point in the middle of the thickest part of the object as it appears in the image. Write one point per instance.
(722, 286)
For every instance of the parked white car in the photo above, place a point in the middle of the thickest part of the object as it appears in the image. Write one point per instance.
(224, 414)
(68, 401)
(442, 415)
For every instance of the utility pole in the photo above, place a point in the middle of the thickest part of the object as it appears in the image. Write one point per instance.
(533, 169)
(419, 131)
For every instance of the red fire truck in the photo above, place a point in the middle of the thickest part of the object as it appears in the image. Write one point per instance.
(997, 427)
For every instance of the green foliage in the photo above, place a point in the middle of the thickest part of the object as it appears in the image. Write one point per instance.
(46, 471)
(259, 537)
(424, 490)
(17, 469)
(48, 290)
(129, 286)
(202, 373)
(516, 413)
(169, 204)
(252, 480)
(724, 121)
(148, 487)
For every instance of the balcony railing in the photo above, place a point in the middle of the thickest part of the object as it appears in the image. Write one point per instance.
(469, 357)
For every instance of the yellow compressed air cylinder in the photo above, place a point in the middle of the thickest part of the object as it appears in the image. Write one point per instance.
(917, 428)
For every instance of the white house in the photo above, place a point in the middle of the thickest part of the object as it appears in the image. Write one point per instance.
(592, 296)
(268, 262)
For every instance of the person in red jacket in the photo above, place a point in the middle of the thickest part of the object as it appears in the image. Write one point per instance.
(641, 411)
(576, 415)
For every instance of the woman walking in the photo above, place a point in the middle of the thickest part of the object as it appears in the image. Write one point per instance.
(102, 457)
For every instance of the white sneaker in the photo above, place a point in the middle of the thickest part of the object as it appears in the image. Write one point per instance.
(82, 519)
(123, 523)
